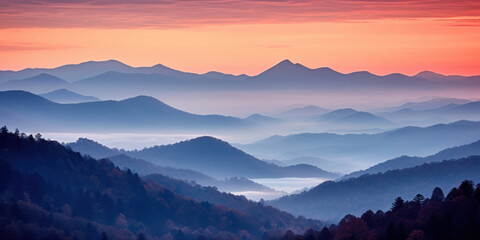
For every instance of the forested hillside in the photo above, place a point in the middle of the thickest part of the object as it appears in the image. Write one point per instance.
(50, 192)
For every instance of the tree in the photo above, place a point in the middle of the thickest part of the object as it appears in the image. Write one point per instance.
(38, 137)
(4, 130)
(141, 236)
(466, 188)
(419, 198)
(437, 195)
(397, 204)
(324, 234)
(351, 227)
(416, 235)
(104, 236)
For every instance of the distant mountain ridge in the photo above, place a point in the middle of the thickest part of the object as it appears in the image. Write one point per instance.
(367, 148)
(39, 83)
(90, 77)
(302, 112)
(65, 96)
(451, 109)
(466, 150)
(352, 116)
(141, 112)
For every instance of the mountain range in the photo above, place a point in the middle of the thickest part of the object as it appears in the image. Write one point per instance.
(91, 77)
(65, 96)
(333, 200)
(207, 155)
(306, 112)
(364, 150)
(454, 110)
(466, 150)
(50, 192)
(143, 168)
(28, 111)
(351, 116)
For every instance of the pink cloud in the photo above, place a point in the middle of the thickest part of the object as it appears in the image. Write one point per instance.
(180, 13)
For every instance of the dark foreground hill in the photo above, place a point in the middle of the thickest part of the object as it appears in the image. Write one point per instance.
(333, 200)
(456, 216)
(50, 192)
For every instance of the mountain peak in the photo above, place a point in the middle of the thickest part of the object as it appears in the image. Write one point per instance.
(285, 67)
(46, 76)
(428, 74)
(286, 62)
(143, 98)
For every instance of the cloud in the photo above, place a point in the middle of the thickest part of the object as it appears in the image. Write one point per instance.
(29, 47)
(180, 13)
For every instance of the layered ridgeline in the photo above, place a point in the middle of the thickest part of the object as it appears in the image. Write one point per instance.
(93, 76)
(407, 161)
(39, 83)
(65, 96)
(421, 113)
(333, 200)
(231, 184)
(50, 192)
(29, 111)
(455, 109)
(208, 155)
(365, 150)
(143, 168)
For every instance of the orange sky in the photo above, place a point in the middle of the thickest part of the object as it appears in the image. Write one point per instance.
(245, 36)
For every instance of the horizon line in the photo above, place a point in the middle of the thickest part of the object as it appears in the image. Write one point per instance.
(242, 74)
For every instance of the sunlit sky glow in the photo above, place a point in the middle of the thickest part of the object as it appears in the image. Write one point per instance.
(237, 37)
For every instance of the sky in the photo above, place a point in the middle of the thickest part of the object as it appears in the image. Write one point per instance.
(245, 36)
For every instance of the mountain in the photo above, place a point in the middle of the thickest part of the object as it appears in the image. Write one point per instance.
(207, 155)
(364, 150)
(50, 192)
(28, 111)
(211, 195)
(39, 83)
(425, 105)
(142, 167)
(65, 96)
(333, 200)
(351, 116)
(91, 76)
(449, 215)
(286, 71)
(317, 162)
(406, 161)
(93, 149)
(296, 76)
(438, 77)
(76, 72)
(123, 81)
(261, 119)
(302, 112)
(219, 159)
(450, 112)
(70, 72)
